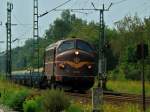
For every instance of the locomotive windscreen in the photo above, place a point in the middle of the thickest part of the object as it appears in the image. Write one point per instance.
(78, 44)
(66, 45)
(84, 46)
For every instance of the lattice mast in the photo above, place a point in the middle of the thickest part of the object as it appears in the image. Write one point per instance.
(8, 40)
(36, 33)
(102, 49)
(102, 62)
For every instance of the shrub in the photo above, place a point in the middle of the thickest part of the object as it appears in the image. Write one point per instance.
(132, 72)
(117, 74)
(134, 75)
(114, 74)
(75, 108)
(55, 101)
(2, 77)
(30, 106)
(147, 72)
(14, 99)
(33, 105)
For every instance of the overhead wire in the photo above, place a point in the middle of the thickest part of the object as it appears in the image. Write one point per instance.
(54, 8)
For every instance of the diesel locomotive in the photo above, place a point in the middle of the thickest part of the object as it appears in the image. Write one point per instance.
(71, 63)
(68, 63)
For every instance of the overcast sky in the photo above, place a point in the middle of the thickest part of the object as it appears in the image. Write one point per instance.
(22, 14)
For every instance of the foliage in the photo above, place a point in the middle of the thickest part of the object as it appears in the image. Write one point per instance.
(18, 97)
(74, 108)
(107, 107)
(124, 107)
(55, 101)
(16, 100)
(30, 106)
(12, 95)
(33, 105)
(122, 39)
(133, 87)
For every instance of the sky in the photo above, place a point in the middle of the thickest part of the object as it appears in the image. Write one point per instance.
(22, 14)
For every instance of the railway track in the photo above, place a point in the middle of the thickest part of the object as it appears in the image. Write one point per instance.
(111, 97)
(124, 97)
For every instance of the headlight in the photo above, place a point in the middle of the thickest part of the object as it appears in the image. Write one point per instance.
(76, 52)
(62, 66)
(89, 67)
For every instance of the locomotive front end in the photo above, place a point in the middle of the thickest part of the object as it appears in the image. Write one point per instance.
(75, 64)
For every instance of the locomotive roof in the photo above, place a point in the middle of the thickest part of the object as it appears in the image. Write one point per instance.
(52, 46)
(56, 44)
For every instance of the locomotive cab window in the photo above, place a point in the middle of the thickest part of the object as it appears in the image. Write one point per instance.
(50, 55)
(67, 45)
(84, 46)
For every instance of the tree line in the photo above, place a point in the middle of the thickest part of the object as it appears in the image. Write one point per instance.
(122, 62)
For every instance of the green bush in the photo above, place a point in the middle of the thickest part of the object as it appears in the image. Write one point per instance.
(132, 71)
(30, 106)
(55, 101)
(117, 74)
(114, 74)
(133, 75)
(2, 77)
(74, 108)
(33, 105)
(14, 99)
(147, 72)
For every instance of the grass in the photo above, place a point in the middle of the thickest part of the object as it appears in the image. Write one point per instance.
(12, 95)
(133, 87)
(107, 107)
(126, 107)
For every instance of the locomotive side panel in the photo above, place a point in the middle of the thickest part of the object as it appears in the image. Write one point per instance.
(49, 63)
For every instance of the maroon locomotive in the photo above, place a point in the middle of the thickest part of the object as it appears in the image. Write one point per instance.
(70, 63)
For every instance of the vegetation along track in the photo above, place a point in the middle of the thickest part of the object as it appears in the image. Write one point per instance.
(111, 97)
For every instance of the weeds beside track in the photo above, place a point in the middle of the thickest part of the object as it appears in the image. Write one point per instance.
(111, 97)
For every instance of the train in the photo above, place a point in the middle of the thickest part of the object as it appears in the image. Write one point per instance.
(68, 63)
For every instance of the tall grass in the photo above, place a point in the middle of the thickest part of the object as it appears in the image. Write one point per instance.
(126, 107)
(12, 95)
(133, 87)
(107, 107)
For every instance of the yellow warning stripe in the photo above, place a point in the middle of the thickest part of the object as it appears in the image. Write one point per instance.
(73, 64)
